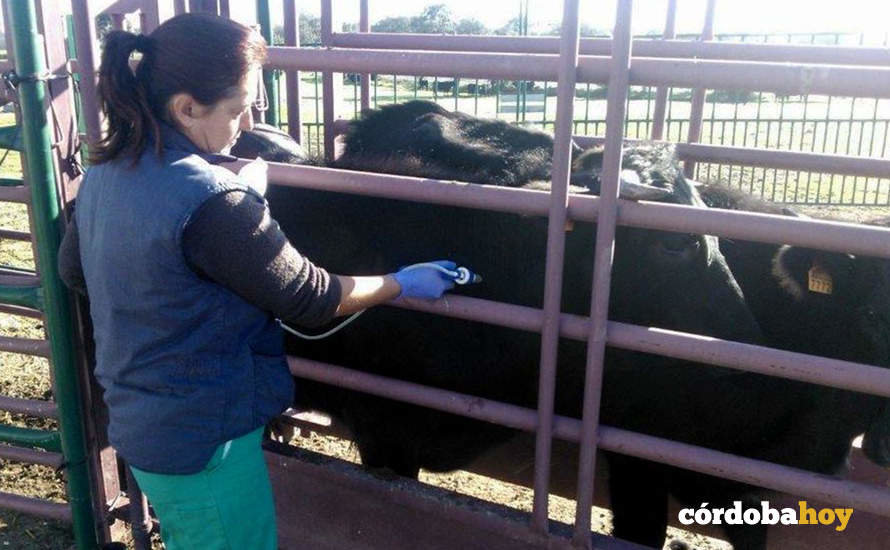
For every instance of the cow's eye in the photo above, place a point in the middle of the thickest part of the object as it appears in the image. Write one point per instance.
(680, 243)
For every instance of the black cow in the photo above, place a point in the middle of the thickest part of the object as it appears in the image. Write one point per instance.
(665, 279)
(446, 85)
(759, 416)
(807, 301)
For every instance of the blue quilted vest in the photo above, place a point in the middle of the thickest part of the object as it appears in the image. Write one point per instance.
(186, 364)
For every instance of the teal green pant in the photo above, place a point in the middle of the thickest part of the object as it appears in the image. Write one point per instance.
(226, 506)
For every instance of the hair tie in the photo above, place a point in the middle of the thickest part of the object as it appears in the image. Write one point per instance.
(143, 43)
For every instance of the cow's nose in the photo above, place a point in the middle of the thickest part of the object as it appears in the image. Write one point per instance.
(246, 121)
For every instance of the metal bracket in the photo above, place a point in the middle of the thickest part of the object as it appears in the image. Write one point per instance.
(13, 79)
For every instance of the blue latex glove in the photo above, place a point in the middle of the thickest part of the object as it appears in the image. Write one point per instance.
(419, 281)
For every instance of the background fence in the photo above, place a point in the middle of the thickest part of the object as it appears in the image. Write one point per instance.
(811, 123)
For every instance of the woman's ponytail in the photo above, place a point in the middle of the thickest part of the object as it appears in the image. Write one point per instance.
(124, 99)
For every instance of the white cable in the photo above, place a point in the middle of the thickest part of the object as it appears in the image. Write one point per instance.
(295, 332)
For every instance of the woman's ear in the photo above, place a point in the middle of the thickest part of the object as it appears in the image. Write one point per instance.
(184, 110)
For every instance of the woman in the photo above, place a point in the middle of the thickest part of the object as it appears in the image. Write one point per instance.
(185, 272)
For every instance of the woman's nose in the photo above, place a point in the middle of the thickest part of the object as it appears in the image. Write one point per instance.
(246, 123)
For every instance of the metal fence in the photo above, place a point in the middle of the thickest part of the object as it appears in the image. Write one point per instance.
(809, 123)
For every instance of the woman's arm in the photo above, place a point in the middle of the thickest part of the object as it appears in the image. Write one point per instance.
(233, 241)
(70, 269)
(358, 293)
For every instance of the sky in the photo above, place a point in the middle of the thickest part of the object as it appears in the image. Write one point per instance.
(869, 16)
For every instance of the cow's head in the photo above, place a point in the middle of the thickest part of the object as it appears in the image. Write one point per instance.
(850, 298)
(676, 280)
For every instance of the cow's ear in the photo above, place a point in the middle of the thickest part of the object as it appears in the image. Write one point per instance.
(806, 272)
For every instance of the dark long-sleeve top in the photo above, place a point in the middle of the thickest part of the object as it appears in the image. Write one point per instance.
(233, 241)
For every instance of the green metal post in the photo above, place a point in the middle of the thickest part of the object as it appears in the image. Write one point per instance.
(270, 77)
(38, 165)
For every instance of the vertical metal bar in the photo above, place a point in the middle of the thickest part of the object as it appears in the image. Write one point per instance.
(661, 96)
(602, 266)
(179, 7)
(565, 103)
(140, 519)
(270, 78)
(871, 145)
(782, 100)
(698, 95)
(117, 21)
(455, 90)
(292, 78)
(327, 81)
(205, 6)
(497, 98)
(149, 18)
(847, 147)
(47, 231)
(824, 148)
(87, 53)
(224, 10)
(364, 25)
(61, 98)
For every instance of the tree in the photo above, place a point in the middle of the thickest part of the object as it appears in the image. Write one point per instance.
(393, 24)
(584, 30)
(470, 25)
(310, 30)
(511, 28)
(434, 19)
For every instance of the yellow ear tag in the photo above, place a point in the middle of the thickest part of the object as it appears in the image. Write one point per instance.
(820, 280)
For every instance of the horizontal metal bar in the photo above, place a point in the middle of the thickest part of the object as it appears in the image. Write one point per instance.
(26, 346)
(19, 194)
(17, 271)
(20, 290)
(22, 311)
(25, 437)
(826, 235)
(11, 182)
(780, 53)
(701, 349)
(36, 507)
(788, 78)
(781, 478)
(18, 279)
(783, 78)
(31, 456)
(863, 497)
(811, 233)
(32, 407)
(470, 65)
(792, 160)
(14, 235)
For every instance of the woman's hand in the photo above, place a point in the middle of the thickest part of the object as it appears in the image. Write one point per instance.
(426, 281)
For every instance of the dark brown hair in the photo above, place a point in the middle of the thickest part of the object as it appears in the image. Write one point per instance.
(200, 54)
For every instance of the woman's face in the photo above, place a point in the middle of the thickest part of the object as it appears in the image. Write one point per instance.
(215, 128)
